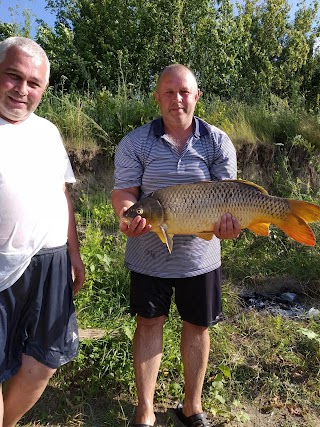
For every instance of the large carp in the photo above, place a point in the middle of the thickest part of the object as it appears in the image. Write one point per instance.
(195, 208)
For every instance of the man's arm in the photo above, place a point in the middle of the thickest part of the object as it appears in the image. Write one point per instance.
(121, 201)
(78, 272)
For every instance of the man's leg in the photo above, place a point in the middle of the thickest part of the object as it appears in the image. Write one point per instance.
(147, 353)
(24, 389)
(195, 346)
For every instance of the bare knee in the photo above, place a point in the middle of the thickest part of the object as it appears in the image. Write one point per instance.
(30, 367)
(155, 322)
(195, 329)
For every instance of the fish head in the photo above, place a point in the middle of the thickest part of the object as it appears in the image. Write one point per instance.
(148, 208)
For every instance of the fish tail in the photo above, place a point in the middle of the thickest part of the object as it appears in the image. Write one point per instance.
(309, 212)
(296, 224)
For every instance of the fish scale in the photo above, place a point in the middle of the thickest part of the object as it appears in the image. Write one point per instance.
(195, 208)
(198, 206)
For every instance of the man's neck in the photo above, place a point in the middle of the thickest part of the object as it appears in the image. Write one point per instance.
(178, 135)
(180, 132)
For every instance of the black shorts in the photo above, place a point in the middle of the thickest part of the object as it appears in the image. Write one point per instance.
(198, 298)
(37, 315)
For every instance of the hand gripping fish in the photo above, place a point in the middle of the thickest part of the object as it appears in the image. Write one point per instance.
(195, 208)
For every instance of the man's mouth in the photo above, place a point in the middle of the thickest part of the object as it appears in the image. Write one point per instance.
(16, 101)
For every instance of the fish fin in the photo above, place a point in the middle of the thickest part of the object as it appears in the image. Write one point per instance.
(249, 183)
(309, 212)
(296, 228)
(205, 236)
(165, 237)
(260, 228)
(295, 225)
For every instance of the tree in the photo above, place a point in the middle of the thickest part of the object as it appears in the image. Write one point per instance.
(248, 51)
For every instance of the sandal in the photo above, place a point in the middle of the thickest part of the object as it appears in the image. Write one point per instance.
(196, 420)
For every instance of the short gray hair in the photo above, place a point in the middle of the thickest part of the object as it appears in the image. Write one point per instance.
(28, 46)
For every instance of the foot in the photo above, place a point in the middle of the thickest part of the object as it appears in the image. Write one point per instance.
(146, 425)
(196, 420)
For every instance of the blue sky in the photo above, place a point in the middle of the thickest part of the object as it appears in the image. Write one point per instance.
(37, 11)
(12, 11)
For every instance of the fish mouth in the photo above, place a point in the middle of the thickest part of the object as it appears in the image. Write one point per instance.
(126, 219)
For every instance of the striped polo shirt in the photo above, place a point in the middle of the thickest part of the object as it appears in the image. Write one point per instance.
(146, 159)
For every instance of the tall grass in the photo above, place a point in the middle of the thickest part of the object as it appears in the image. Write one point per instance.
(255, 360)
(99, 120)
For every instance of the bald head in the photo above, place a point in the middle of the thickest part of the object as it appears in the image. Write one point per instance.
(177, 69)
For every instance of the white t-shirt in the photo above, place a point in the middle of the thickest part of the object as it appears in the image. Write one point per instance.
(34, 167)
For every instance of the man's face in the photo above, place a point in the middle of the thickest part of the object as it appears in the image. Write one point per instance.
(177, 95)
(22, 83)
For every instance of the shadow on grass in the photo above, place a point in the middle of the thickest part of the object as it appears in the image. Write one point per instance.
(60, 408)
(64, 408)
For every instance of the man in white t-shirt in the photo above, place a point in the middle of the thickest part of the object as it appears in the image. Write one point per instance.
(40, 264)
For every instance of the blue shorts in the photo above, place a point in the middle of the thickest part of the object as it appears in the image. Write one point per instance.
(37, 314)
(198, 298)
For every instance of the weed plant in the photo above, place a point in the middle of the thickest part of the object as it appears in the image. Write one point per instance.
(91, 121)
(269, 360)
(263, 360)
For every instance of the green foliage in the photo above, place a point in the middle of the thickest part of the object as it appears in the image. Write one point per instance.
(20, 22)
(99, 120)
(252, 357)
(71, 114)
(105, 295)
(250, 51)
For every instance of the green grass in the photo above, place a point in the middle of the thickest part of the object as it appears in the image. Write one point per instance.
(255, 359)
(93, 121)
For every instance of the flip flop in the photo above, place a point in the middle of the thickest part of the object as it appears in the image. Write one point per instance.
(196, 420)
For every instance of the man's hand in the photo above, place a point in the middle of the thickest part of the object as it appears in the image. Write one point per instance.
(228, 227)
(137, 227)
(78, 273)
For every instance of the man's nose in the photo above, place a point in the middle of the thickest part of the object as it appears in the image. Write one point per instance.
(177, 96)
(22, 87)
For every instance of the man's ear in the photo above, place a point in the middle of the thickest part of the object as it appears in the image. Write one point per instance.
(156, 96)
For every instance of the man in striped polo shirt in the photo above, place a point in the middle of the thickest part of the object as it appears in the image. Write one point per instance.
(175, 149)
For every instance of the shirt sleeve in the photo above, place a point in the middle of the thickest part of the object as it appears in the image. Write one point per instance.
(128, 166)
(224, 165)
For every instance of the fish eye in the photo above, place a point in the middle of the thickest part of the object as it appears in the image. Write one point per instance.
(139, 211)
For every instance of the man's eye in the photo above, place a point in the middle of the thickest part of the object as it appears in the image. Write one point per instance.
(33, 85)
(13, 76)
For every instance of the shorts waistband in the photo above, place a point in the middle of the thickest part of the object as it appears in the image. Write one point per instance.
(44, 251)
